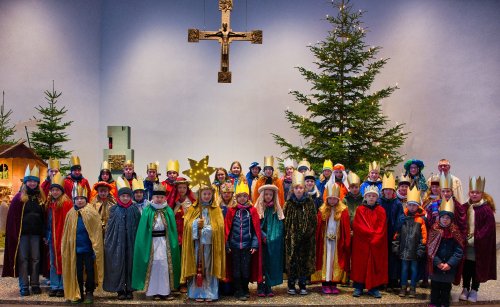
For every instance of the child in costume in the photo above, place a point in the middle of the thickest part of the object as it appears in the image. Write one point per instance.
(236, 175)
(311, 189)
(24, 232)
(203, 250)
(156, 262)
(324, 177)
(286, 180)
(269, 177)
(444, 253)
(339, 178)
(353, 199)
(105, 176)
(403, 187)
(169, 183)
(139, 197)
(58, 206)
(252, 174)
(221, 177)
(369, 246)
(373, 177)
(394, 216)
(119, 242)
(226, 197)
(103, 202)
(431, 196)
(333, 241)
(151, 179)
(243, 243)
(300, 242)
(54, 167)
(480, 251)
(75, 178)
(272, 229)
(82, 250)
(409, 242)
(413, 169)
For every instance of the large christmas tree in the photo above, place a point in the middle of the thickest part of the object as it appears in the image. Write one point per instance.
(51, 134)
(6, 129)
(344, 121)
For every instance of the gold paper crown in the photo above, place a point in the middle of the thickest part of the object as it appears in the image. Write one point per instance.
(269, 161)
(105, 166)
(173, 166)
(81, 191)
(445, 181)
(152, 166)
(388, 181)
(137, 185)
(333, 190)
(434, 178)
(297, 178)
(413, 195)
(447, 205)
(304, 163)
(159, 187)
(374, 166)
(242, 188)
(309, 173)
(404, 178)
(371, 189)
(120, 183)
(477, 184)
(35, 172)
(128, 163)
(54, 164)
(328, 164)
(352, 178)
(288, 163)
(75, 160)
(58, 179)
(227, 187)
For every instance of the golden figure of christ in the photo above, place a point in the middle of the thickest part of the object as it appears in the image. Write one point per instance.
(225, 36)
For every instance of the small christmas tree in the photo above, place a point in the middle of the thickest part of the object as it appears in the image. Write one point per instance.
(51, 133)
(344, 120)
(6, 130)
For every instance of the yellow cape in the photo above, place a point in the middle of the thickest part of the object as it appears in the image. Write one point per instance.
(188, 263)
(92, 221)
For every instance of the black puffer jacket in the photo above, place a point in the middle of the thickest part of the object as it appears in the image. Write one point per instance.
(409, 242)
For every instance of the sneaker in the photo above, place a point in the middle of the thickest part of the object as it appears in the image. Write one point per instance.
(375, 293)
(292, 291)
(25, 292)
(77, 301)
(334, 290)
(303, 291)
(36, 290)
(464, 295)
(52, 292)
(89, 298)
(268, 291)
(357, 292)
(261, 290)
(472, 296)
(402, 292)
(413, 292)
(326, 289)
(60, 293)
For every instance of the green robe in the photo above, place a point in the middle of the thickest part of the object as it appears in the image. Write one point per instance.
(273, 229)
(143, 248)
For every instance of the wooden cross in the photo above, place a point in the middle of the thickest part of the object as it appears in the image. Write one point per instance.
(225, 37)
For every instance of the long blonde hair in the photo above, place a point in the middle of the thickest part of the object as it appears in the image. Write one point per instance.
(326, 210)
(59, 201)
(487, 197)
(40, 197)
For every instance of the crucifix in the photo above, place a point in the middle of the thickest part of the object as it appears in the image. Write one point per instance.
(225, 36)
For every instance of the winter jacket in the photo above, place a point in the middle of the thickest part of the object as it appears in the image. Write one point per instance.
(242, 234)
(450, 252)
(409, 242)
(395, 216)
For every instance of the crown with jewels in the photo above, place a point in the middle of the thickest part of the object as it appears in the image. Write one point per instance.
(371, 189)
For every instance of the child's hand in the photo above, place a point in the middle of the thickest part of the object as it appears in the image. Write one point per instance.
(201, 223)
(440, 266)
(446, 267)
(252, 251)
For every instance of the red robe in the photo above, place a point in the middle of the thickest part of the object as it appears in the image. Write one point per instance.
(58, 218)
(68, 186)
(343, 241)
(171, 192)
(369, 246)
(256, 261)
(179, 214)
(45, 186)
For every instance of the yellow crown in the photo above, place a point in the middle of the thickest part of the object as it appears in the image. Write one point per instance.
(309, 173)
(297, 178)
(388, 181)
(374, 166)
(35, 172)
(75, 160)
(81, 191)
(105, 166)
(333, 190)
(328, 164)
(404, 178)
(120, 183)
(434, 178)
(288, 163)
(242, 188)
(413, 196)
(371, 189)
(158, 187)
(445, 181)
(352, 178)
(477, 184)
(304, 163)
(128, 163)
(137, 185)
(152, 166)
(447, 205)
(269, 161)
(54, 164)
(58, 179)
(173, 166)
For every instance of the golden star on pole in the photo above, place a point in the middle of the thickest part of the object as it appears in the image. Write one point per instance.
(200, 172)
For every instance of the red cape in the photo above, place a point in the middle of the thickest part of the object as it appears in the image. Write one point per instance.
(343, 241)
(68, 186)
(171, 191)
(179, 215)
(45, 187)
(369, 246)
(256, 261)
(58, 218)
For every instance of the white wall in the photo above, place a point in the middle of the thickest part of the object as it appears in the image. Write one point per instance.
(127, 62)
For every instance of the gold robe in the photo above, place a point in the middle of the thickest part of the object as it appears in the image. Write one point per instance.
(92, 221)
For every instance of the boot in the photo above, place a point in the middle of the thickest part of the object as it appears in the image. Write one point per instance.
(402, 292)
(261, 290)
(413, 292)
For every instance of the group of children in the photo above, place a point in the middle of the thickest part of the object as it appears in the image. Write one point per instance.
(158, 237)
